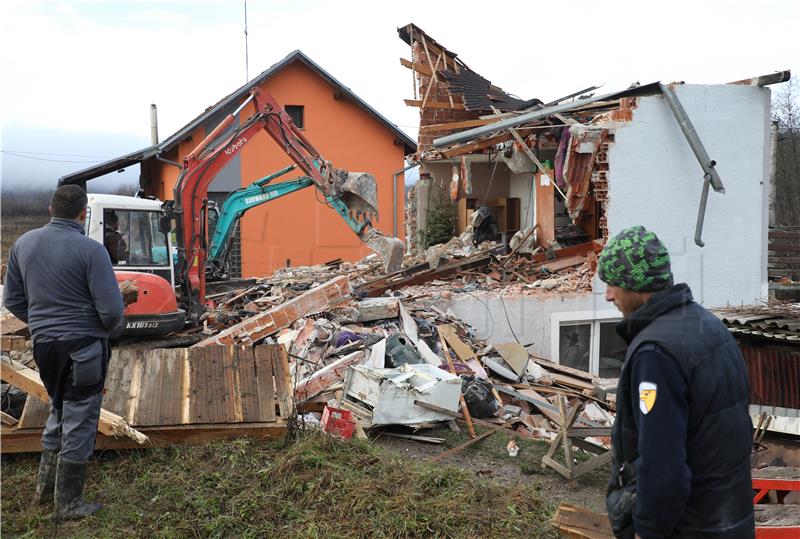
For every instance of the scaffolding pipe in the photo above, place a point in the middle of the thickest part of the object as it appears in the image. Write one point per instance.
(514, 121)
(710, 176)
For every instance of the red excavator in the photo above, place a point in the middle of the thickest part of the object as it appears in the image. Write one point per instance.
(169, 297)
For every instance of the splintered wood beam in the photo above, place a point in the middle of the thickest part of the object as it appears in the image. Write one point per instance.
(422, 69)
(477, 145)
(269, 322)
(458, 448)
(8, 420)
(454, 126)
(12, 343)
(765, 80)
(29, 440)
(579, 523)
(28, 380)
(434, 104)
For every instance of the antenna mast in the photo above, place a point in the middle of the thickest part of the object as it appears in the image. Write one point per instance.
(246, 53)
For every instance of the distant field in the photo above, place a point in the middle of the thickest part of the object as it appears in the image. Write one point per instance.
(12, 228)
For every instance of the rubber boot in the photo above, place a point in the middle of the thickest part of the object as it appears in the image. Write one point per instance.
(46, 481)
(70, 479)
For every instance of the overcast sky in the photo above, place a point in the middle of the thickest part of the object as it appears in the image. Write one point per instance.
(78, 77)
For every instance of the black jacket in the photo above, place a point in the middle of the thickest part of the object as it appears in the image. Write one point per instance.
(683, 423)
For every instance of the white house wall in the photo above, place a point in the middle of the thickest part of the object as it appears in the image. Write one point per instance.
(655, 181)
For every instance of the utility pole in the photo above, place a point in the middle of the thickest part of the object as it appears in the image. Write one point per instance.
(246, 53)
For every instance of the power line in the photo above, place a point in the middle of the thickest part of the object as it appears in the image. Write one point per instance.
(61, 154)
(49, 160)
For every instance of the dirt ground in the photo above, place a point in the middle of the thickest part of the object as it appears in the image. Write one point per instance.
(490, 459)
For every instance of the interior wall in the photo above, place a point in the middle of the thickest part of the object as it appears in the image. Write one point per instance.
(521, 187)
(655, 181)
(527, 318)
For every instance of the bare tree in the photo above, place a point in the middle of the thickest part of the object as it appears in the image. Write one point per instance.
(786, 192)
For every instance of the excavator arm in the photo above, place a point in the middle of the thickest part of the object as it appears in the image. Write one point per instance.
(352, 195)
(239, 202)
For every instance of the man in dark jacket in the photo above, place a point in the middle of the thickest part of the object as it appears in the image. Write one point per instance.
(683, 436)
(62, 285)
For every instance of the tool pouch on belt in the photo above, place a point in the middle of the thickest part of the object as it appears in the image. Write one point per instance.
(620, 502)
(87, 365)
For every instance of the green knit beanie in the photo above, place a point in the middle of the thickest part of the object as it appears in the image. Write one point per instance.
(635, 259)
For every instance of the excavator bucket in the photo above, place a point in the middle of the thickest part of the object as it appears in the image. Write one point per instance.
(358, 191)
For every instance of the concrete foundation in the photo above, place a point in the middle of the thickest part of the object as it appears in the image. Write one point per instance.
(530, 317)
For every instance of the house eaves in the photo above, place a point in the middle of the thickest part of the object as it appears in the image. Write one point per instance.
(226, 105)
(539, 114)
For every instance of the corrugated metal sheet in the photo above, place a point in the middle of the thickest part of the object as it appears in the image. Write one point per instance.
(774, 373)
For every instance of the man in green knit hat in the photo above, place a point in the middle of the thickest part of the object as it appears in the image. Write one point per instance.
(682, 436)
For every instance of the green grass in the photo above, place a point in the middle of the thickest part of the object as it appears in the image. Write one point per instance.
(315, 487)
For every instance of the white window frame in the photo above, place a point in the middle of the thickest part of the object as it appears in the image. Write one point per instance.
(594, 318)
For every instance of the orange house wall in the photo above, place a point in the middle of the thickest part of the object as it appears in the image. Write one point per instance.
(298, 227)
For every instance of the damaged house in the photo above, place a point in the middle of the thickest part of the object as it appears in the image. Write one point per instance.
(294, 230)
(556, 177)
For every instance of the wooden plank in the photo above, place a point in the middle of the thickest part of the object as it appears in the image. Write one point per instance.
(29, 440)
(171, 409)
(149, 390)
(34, 413)
(12, 343)
(116, 397)
(786, 473)
(454, 450)
(499, 428)
(558, 265)
(462, 350)
(237, 389)
(216, 386)
(422, 69)
(269, 322)
(7, 420)
(266, 387)
(416, 438)
(434, 104)
(765, 80)
(580, 249)
(454, 126)
(283, 381)
(777, 517)
(11, 325)
(137, 364)
(22, 377)
(28, 380)
(198, 404)
(580, 523)
(186, 387)
(379, 287)
(477, 145)
(552, 366)
(249, 384)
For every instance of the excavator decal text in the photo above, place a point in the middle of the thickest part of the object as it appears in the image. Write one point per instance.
(265, 196)
(235, 146)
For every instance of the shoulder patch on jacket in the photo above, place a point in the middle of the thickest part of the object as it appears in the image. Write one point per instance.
(647, 396)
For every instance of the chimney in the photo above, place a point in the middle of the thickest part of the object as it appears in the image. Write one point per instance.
(153, 124)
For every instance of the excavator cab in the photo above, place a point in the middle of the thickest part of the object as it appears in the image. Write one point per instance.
(138, 242)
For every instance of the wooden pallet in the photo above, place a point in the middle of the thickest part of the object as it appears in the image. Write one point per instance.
(183, 395)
